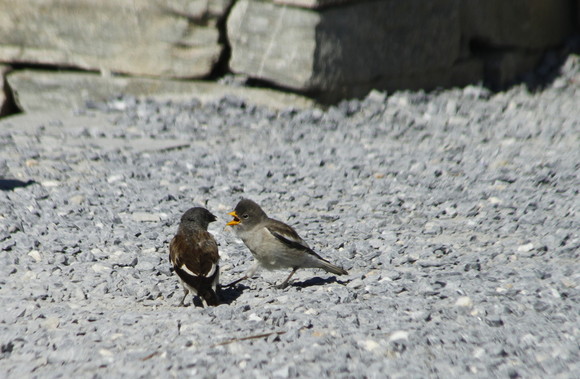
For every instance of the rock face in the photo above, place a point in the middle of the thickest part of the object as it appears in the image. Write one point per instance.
(273, 43)
(327, 49)
(179, 38)
(42, 91)
(342, 51)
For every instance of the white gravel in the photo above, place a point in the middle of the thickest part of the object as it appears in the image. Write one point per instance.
(455, 212)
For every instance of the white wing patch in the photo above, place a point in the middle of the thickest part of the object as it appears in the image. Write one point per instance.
(208, 275)
(188, 271)
(211, 270)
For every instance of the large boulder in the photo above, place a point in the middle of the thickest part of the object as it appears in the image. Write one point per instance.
(177, 38)
(346, 50)
(334, 49)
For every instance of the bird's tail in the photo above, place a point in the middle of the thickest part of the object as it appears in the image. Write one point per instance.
(325, 265)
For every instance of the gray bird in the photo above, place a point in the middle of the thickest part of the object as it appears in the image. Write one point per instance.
(193, 252)
(274, 244)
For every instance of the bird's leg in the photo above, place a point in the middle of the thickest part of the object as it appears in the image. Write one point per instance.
(285, 282)
(182, 303)
(248, 275)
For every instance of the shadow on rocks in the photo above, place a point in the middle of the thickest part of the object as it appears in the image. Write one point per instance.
(10, 184)
(318, 281)
(228, 295)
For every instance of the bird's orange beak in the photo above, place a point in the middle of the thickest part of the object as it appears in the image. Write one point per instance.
(236, 220)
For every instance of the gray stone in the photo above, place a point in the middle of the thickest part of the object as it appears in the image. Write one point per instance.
(38, 91)
(273, 42)
(179, 38)
(432, 227)
(145, 217)
(464, 302)
(344, 51)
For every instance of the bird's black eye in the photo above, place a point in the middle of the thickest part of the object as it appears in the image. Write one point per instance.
(245, 215)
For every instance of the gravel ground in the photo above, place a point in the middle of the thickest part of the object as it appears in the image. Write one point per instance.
(455, 213)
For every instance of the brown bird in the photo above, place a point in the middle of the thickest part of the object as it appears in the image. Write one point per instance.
(193, 252)
(274, 244)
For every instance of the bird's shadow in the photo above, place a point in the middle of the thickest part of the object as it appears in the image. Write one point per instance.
(228, 295)
(317, 281)
(10, 184)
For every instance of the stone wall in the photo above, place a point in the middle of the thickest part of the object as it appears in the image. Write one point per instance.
(178, 38)
(326, 49)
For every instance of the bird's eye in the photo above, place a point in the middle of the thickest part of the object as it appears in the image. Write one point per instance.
(245, 215)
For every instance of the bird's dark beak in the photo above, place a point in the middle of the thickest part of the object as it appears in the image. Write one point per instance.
(236, 220)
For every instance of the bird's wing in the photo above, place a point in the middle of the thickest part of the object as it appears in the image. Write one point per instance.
(288, 236)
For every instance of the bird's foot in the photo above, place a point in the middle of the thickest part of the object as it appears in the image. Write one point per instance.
(281, 286)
